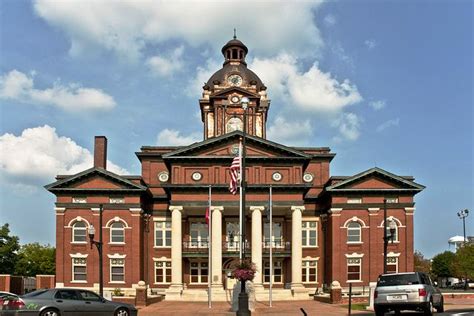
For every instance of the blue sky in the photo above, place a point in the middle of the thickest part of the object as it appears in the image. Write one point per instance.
(383, 83)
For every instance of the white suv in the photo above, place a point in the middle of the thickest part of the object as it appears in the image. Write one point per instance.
(407, 291)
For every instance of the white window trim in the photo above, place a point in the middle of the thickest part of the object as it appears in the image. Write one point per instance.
(73, 229)
(116, 256)
(306, 231)
(306, 268)
(354, 256)
(359, 229)
(354, 200)
(109, 226)
(163, 230)
(78, 256)
(199, 268)
(273, 271)
(201, 242)
(164, 260)
(272, 240)
(397, 230)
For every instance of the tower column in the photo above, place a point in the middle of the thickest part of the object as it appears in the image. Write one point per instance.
(257, 244)
(216, 256)
(176, 287)
(297, 287)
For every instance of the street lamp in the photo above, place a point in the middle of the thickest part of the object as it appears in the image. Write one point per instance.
(98, 244)
(462, 215)
(243, 297)
(392, 228)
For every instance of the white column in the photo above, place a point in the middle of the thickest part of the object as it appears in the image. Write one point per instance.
(216, 255)
(176, 250)
(296, 249)
(257, 243)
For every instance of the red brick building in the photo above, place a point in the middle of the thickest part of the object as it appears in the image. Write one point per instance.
(325, 228)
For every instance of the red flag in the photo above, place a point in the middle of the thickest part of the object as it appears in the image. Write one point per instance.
(234, 174)
(207, 216)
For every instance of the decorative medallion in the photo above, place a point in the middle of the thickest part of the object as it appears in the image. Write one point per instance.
(276, 176)
(235, 149)
(308, 177)
(163, 176)
(196, 176)
(235, 99)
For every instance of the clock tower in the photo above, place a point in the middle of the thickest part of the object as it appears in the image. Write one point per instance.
(221, 108)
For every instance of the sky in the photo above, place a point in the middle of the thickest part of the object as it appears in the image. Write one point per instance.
(382, 83)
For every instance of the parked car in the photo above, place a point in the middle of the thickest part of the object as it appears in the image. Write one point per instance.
(407, 291)
(9, 303)
(68, 301)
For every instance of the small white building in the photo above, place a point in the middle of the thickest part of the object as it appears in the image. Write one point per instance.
(456, 241)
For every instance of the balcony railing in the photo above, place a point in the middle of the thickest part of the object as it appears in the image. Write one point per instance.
(202, 247)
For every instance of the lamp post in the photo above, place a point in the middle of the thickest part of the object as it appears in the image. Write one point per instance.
(392, 226)
(243, 297)
(98, 244)
(462, 215)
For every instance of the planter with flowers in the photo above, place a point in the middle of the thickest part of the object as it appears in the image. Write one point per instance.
(244, 271)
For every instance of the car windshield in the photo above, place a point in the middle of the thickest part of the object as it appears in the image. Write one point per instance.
(398, 279)
(35, 293)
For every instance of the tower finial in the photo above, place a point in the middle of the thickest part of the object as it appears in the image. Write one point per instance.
(235, 36)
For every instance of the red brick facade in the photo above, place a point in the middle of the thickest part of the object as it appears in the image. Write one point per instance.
(179, 177)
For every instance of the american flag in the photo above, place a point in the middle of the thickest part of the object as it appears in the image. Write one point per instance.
(234, 174)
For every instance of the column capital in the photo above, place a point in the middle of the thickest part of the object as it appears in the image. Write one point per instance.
(297, 208)
(256, 208)
(217, 208)
(60, 209)
(175, 208)
(409, 210)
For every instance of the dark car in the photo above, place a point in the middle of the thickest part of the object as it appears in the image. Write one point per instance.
(72, 302)
(9, 303)
(407, 291)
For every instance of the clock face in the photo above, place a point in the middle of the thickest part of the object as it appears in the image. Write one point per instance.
(234, 80)
(163, 176)
(276, 176)
(196, 176)
(308, 177)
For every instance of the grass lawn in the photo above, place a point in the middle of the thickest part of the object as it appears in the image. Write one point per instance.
(357, 306)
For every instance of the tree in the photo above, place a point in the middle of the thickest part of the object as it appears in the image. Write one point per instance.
(36, 259)
(464, 263)
(442, 264)
(9, 245)
(421, 264)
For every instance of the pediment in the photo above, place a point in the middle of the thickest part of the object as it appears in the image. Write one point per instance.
(227, 91)
(375, 179)
(94, 179)
(227, 144)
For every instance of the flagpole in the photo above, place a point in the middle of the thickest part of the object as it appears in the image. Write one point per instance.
(209, 272)
(271, 246)
(241, 242)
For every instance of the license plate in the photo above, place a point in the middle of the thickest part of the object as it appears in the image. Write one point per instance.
(396, 297)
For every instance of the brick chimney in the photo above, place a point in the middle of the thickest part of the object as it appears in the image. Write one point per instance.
(100, 152)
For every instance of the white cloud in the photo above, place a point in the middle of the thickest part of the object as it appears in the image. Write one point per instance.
(348, 125)
(311, 90)
(340, 52)
(39, 154)
(330, 20)
(377, 105)
(18, 86)
(283, 131)
(388, 124)
(169, 137)
(370, 43)
(127, 27)
(168, 65)
(203, 73)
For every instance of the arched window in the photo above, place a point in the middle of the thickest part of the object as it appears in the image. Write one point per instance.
(117, 233)
(354, 232)
(392, 224)
(79, 232)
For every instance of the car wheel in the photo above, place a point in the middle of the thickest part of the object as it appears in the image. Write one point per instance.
(50, 312)
(429, 309)
(122, 311)
(440, 308)
(379, 311)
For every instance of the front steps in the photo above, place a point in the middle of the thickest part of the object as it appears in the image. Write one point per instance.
(220, 295)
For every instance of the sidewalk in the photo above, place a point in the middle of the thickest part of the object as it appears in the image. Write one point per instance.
(280, 308)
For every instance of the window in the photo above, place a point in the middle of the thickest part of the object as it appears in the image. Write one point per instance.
(353, 269)
(392, 200)
(310, 271)
(117, 270)
(79, 270)
(162, 271)
(277, 232)
(117, 233)
(354, 200)
(199, 235)
(79, 199)
(395, 233)
(89, 296)
(117, 200)
(67, 295)
(162, 234)
(354, 232)
(199, 272)
(232, 235)
(392, 264)
(79, 232)
(277, 271)
(310, 232)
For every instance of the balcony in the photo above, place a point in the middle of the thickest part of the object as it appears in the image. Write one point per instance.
(280, 248)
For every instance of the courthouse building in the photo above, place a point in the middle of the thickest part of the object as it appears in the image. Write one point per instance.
(325, 228)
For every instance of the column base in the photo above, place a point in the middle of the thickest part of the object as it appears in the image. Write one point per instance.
(175, 291)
